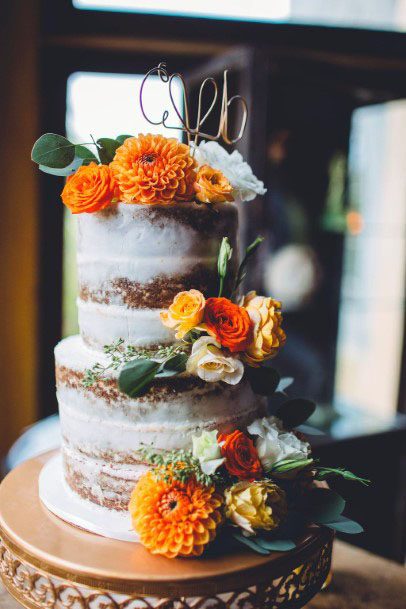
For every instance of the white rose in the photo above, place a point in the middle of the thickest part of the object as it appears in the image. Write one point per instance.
(275, 443)
(245, 185)
(208, 362)
(207, 450)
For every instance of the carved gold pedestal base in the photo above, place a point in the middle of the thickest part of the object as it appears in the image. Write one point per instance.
(46, 563)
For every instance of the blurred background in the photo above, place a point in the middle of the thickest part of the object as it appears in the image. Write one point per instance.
(326, 88)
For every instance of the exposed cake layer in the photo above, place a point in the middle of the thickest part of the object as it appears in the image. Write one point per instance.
(103, 430)
(133, 259)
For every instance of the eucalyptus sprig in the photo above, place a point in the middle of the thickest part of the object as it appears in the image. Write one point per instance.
(119, 356)
(178, 465)
(57, 155)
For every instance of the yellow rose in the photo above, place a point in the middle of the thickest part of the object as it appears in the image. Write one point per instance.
(258, 505)
(185, 312)
(212, 186)
(267, 334)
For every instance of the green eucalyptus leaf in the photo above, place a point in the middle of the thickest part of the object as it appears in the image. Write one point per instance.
(324, 505)
(65, 171)
(54, 151)
(345, 525)
(276, 545)
(249, 541)
(123, 138)
(263, 380)
(284, 383)
(135, 377)
(295, 412)
(173, 366)
(107, 149)
(87, 156)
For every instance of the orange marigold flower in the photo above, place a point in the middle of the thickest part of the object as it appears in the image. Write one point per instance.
(154, 169)
(175, 518)
(90, 189)
(228, 323)
(241, 456)
(212, 186)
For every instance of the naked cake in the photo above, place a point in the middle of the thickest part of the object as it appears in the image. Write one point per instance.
(171, 413)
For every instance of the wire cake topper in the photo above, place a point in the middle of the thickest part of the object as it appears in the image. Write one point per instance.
(195, 132)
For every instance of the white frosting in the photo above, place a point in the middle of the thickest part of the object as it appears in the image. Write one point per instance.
(102, 434)
(138, 244)
(102, 324)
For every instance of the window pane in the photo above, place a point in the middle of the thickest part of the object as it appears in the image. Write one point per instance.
(255, 10)
(106, 105)
(374, 14)
(373, 287)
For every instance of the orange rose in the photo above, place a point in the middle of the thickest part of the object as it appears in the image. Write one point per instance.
(212, 186)
(90, 189)
(228, 323)
(185, 312)
(241, 457)
(154, 169)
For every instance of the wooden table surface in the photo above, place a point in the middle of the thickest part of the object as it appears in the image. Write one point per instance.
(360, 581)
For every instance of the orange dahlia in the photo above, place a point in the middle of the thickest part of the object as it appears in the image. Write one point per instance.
(154, 169)
(175, 518)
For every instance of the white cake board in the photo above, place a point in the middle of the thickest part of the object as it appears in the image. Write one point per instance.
(61, 501)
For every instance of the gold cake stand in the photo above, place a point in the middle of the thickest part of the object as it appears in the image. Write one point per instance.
(47, 563)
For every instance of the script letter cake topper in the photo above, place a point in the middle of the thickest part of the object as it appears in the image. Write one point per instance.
(194, 133)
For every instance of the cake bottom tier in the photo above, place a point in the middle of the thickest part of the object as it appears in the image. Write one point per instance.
(103, 430)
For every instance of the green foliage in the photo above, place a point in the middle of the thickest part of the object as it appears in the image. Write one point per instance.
(295, 412)
(323, 473)
(323, 505)
(174, 365)
(167, 466)
(290, 465)
(122, 138)
(86, 155)
(242, 269)
(65, 171)
(224, 256)
(264, 545)
(345, 525)
(284, 383)
(263, 380)
(106, 148)
(53, 151)
(119, 356)
(135, 377)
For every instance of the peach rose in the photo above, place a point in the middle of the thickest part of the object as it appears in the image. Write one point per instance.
(90, 189)
(212, 186)
(185, 312)
(267, 334)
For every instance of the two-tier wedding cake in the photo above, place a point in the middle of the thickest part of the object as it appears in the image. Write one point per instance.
(174, 423)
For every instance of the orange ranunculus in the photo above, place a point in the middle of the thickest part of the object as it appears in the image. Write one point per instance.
(185, 312)
(241, 456)
(90, 189)
(212, 186)
(154, 169)
(228, 323)
(175, 518)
